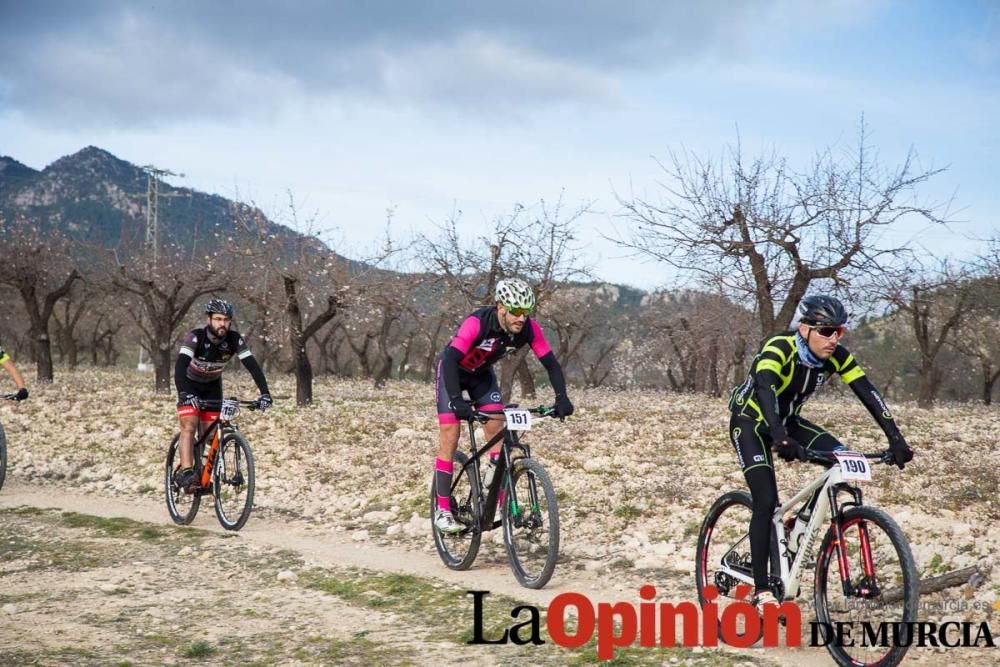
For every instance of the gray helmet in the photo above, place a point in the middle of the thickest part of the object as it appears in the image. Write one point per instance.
(515, 294)
(821, 310)
(219, 306)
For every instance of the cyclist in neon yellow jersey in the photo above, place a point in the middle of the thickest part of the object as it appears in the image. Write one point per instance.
(15, 375)
(764, 412)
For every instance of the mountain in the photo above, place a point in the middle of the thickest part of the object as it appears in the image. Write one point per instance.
(93, 194)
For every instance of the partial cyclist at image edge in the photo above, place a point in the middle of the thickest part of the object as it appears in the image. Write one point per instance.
(487, 335)
(203, 356)
(764, 411)
(15, 375)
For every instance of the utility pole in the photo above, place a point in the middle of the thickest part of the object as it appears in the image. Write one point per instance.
(153, 176)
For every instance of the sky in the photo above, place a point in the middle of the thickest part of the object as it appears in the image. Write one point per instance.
(437, 110)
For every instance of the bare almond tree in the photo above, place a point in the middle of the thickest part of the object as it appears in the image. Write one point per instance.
(762, 233)
(536, 244)
(39, 264)
(935, 300)
(165, 293)
(974, 336)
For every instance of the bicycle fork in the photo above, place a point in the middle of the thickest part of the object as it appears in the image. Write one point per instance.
(867, 587)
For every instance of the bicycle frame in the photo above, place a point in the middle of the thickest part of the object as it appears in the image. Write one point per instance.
(511, 442)
(828, 484)
(215, 431)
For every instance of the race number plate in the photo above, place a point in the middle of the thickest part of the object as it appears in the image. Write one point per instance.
(854, 466)
(518, 420)
(228, 409)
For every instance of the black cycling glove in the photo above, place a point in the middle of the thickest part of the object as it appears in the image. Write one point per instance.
(563, 406)
(21, 394)
(789, 450)
(185, 398)
(461, 408)
(901, 452)
(264, 402)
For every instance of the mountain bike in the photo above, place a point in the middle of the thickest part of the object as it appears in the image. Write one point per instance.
(223, 465)
(529, 513)
(3, 444)
(865, 571)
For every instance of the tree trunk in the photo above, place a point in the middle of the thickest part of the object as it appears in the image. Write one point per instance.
(161, 367)
(300, 358)
(43, 356)
(516, 366)
(989, 379)
(929, 382)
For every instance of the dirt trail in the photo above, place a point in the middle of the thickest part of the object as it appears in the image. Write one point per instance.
(324, 548)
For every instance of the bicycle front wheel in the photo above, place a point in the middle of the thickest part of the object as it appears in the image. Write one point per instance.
(724, 548)
(458, 550)
(884, 587)
(181, 505)
(233, 481)
(531, 523)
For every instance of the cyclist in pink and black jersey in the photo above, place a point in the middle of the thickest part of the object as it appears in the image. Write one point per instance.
(466, 365)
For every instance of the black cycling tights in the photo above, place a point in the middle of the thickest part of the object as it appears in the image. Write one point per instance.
(764, 490)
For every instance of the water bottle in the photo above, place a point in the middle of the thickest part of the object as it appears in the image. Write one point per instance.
(798, 530)
(491, 468)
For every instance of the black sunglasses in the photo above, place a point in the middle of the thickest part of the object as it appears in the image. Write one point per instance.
(828, 332)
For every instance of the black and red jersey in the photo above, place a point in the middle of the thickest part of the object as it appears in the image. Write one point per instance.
(209, 355)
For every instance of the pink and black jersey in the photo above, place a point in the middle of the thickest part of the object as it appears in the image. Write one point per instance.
(209, 355)
(482, 342)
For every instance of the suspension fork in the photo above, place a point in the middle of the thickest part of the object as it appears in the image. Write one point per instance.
(867, 562)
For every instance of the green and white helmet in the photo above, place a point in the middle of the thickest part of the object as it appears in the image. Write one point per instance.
(515, 294)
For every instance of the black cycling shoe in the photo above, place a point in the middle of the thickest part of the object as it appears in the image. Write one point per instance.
(185, 479)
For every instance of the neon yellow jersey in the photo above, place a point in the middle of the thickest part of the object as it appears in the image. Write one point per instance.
(4, 357)
(791, 382)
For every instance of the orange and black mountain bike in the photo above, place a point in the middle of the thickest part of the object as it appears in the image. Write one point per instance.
(223, 465)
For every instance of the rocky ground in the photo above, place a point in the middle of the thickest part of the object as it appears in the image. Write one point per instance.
(634, 474)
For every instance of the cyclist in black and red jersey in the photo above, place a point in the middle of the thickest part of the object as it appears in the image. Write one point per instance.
(198, 376)
(484, 337)
(764, 411)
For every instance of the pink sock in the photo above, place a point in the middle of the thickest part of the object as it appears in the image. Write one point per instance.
(442, 474)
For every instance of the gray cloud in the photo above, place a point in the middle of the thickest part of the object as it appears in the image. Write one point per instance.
(135, 64)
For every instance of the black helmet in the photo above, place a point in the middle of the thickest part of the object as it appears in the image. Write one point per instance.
(219, 306)
(822, 310)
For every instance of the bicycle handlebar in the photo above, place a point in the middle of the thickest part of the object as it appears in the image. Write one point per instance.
(483, 416)
(828, 458)
(209, 404)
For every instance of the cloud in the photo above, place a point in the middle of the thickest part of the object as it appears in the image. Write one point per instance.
(125, 64)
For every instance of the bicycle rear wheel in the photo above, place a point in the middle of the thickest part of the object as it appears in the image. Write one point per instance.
(889, 595)
(233, 481)
(3, 456)
(458, 550)
(181, 505)
(724, 539)
(531, 526)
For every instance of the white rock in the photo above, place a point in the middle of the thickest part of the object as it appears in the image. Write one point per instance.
(377, 517)
(287, 575)
(360, 536)
(10, 608)
(393, 529)
(186, 551)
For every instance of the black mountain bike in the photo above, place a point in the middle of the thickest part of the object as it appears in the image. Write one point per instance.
(529, 514)
(223, 466)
